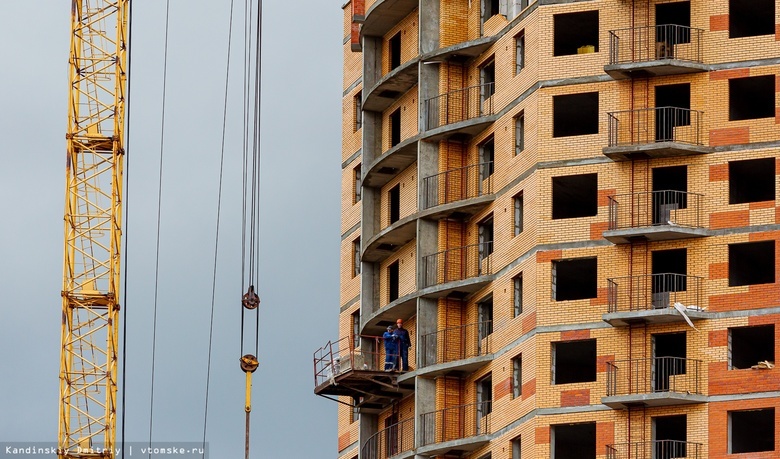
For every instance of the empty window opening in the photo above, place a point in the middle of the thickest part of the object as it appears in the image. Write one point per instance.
(395, 128)
(673, 104)
(485, 231)
(670, 186)
(517, 376)
(356, 329)
(519, 133)
(574, 441)
(574, 196)
(752, 180)
(490, 8)
(751, 98)
(751, 431)
(750, 345)
(487, 151)
(519, 52)
(669, 353)
(751, 263)
(356, 257)
(518, 205)
(394, 201)
(395, 51)
(574, 279)
(517, 295)
(484, 402)
(668, 16)
(392, 281)
(485, 317)
(517, 450)
(576, 114)
(358, 110)
(574, 361)
(487, 79)
(576, 33)
(357, 178)
(669, 275)
(670, 434)
(749, 18)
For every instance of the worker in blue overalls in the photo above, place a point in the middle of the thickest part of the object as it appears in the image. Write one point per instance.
(391, 349)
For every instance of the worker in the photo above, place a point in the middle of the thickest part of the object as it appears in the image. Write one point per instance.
(404, 343)
(391, 349)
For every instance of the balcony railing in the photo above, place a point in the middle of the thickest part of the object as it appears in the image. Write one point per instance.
(653, 375)
(646, 126)
(653, 291)
(457, 343)
(457, 264)
(390, 441)
(459, 105)
(340, 357)
(651, 43)
(657, 449)
(457, 185)
(455, 423)
(652, 208)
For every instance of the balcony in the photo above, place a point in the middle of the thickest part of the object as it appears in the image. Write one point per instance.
(383, 15)
(649, 51)
(464, 111)
(462, 186)
(655, 216)
(342, 370)
(458, 429)
(658, 132)
(656, 381)
(657, 449)
(391, 441)
(462, 345)
(458, 264)
(392, 86)
(651, 298)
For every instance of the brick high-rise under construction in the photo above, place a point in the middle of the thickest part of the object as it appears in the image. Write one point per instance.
(572, 205)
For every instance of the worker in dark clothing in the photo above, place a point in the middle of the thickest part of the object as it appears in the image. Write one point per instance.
(391, 349)
(404, 343)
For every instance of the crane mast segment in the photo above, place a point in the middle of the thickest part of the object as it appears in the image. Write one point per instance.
(93, 228)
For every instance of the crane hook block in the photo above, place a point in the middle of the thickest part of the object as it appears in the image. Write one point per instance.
(249, 363)
(250, 300)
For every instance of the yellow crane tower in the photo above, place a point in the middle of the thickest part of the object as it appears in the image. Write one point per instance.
(93, 228)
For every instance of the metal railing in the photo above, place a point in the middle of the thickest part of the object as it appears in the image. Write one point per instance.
(652, 43)
(653, 375)
(651, 208)
(656, 124)
(338, 357)
(456, 185)
(455, 423)
(457, 264)
(653, 291)
(459, 105)
(456, 343)
(656, 449)
(390, 441)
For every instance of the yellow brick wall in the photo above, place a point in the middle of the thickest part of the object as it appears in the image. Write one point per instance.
(409, 126)
(409, 29)
(408, 182)
(406, 270)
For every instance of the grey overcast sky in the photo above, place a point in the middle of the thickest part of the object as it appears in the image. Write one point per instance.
(299, 262)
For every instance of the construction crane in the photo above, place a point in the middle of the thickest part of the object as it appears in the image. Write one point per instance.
(93, 228)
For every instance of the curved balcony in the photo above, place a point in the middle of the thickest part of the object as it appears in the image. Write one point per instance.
(343, 370)
(391, 163)
(392, 86)
(466, 111)
(656, 381)
(656, 449)
(390, 239)
(461, 51)
(471, 262)
(649, 51)
(460, 428)
(657, 132)
(404, 307)
(383, 15)
(462, 186)
(395, 441)
(652, 298)
(655, 216)
(464, 348)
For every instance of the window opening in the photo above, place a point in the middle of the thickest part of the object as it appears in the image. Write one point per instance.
(668, 19)
(486, 158)
(750, 345)
(358, 181)
(576, 33)
(752, 98)
(393, 281)
(576, 114)
(574, 196)
(356, 257)
(394, 199)
(517, 295)
(670, 269)
(519, 133)
(487, 79)
(484, 402)
(670, 187)
(752, 180)
(358, 110)
(574, 361)
(574, 279)
(485, 229)
(395, 128)
(517, 449)
(673, 104)
(519, 52)
(752, 263)
(669, 353)
(517, 376)
(751, 431)
(750, 18)
(395, 51)
(485, 317)
(574, 441)
(670, 434)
